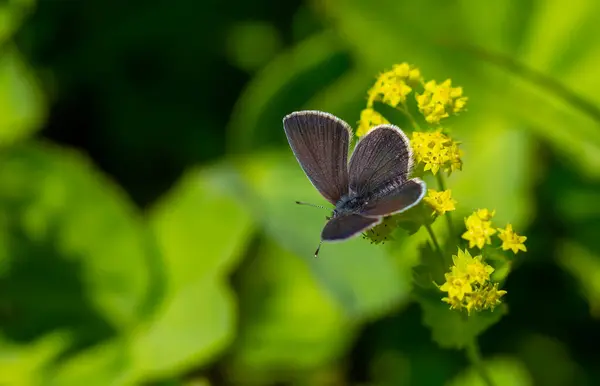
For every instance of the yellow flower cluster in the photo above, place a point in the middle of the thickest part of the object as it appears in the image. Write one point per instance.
(393, 86)
(440, 202)
(479, 232)
(369, 118)
(440, 100)
(468, 284)
(479, 228)
(436, 151)
(511, 240)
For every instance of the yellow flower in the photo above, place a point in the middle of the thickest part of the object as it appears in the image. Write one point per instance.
(436, 151)
(473, 268)
(468, 284)
(479, 230)
(485, 214)
(456, 286)
(393, 86)
(440, 202)
(369, 118)
(410, 74)
(492, 296)
(438, 101)
(511, 240)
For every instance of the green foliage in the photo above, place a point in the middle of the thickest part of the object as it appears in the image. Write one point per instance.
(217, 279)
(73, 239)
(22, 105)
(502, 370)
(452, 329)
(283, 306)
(202, 231)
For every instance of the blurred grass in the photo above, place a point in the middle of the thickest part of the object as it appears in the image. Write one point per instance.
(216, 282)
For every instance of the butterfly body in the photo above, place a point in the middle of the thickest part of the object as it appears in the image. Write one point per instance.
(374, 183)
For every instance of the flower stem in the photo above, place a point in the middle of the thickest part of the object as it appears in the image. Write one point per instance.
(448, 215)
(410, 117)
(474, 355)
(433, 239)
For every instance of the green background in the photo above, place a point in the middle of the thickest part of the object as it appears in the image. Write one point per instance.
(148, 232)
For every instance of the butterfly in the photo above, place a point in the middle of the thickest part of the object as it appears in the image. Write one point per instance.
(375, 183)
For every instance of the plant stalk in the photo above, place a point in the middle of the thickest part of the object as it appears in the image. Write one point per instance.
(474, 355)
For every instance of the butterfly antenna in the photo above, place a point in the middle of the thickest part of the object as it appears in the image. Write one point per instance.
(313, 205)
(318, 249)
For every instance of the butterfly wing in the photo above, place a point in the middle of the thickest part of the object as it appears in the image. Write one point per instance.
(320, 142)
(395, 199)
(346, 226)
(382, 157)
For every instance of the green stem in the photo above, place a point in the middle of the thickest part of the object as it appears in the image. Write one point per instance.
(433, 239)
(474, 355)
(448, 215)
(410, 117)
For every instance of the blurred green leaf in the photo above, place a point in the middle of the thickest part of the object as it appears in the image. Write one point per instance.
(280, 87)
(202, 231)
(106, 364)
(251, 44)
(12, 14)
(452, 328)
(79, 253)
(22, 105)
(283, 306)
(362, 277)
(550, 362)
(502, 371)
(585, 267)
(23, 365)
(497, 164)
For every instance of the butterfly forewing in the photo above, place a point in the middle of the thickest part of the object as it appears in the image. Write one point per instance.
(395, 198)
(382, 157)
(343, 227)
(320, 142)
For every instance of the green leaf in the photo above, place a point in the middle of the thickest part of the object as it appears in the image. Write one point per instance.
(78, 254)
(497, 166)
(362, 277)
(106, 364)
(283, 306)
(453, 328)
(24, 365)
(22, 105)
(280, 87)
(12, 14)
(202, 231)
(502, 371)
(585, 267)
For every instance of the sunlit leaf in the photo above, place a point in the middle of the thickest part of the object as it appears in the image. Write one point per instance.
(283, 306)
(24, 365)
(22, 108)
(501, 370)
(106, 364)
(79, 253)
(202, 231)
